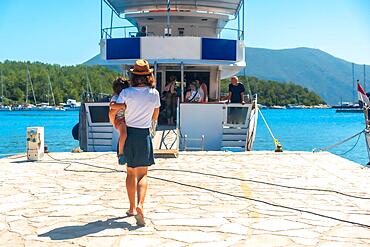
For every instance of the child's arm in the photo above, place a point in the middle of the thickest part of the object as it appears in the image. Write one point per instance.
(112, 115)
(117, 106)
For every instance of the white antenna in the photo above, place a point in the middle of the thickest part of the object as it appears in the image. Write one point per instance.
(51, 89)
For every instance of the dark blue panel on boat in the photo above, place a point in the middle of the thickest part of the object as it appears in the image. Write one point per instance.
(125, 48)
(218, 49)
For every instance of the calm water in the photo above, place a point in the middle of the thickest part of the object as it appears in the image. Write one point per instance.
(301, 130)
(57, 126)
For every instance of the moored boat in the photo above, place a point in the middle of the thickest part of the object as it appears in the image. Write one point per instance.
(185, 42)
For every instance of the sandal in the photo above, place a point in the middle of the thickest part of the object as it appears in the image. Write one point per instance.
(139, 217)
(130, 214)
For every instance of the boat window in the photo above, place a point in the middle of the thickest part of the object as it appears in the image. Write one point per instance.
(237, 115)
(99, 114)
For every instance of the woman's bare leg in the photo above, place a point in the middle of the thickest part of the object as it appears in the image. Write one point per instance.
(141, 173)
(131, 182)
(142, 185)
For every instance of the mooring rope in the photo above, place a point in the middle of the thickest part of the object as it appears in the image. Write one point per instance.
(315, 150)
(278, 146)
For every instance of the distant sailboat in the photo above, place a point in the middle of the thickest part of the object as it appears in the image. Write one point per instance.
(2, 107)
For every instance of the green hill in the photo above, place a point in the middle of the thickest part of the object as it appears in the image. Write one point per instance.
(67, 81)
(72, 81)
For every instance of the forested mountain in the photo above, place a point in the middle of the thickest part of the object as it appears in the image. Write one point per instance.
(67, 81)
(326, 75)
(71, 82)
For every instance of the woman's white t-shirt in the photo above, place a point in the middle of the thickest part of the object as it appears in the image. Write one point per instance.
(140, 104)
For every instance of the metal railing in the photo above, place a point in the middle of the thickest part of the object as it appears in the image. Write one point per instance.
(198, 31)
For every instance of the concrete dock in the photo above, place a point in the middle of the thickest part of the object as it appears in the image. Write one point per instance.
(198, 199)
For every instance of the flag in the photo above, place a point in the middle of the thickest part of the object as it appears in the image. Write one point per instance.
(168, 6)
(362, 95)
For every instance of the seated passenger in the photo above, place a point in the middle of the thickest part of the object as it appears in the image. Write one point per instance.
(203, 89)
(194, 95)
(142, 32)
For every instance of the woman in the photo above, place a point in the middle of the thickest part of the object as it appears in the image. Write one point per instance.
(171, 100)
(204, 90)
(194, 95)
(142, 109)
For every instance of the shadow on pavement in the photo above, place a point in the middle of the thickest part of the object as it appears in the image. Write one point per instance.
(70, 232)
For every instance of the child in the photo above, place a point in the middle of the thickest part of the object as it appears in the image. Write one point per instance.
(117, 116)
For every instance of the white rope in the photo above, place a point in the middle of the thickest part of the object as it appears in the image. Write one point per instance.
(338, 143)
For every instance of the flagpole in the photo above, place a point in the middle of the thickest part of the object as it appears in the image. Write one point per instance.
(365, 78)
(353, 83)
(168, 17)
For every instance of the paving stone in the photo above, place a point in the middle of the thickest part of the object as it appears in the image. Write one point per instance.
(190, 236)
(204, 222)
(44, 205)
(234, 228)
(278, 225)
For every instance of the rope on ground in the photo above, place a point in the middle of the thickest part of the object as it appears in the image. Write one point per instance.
(216, 191)
(315, 150)
(278, 146)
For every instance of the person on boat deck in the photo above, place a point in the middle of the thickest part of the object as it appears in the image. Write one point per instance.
(171, 100)
(236, 91)
(194, 95)
(142, 103)
(117, 116)
(142, 32)
(236, 96)
(204, 90)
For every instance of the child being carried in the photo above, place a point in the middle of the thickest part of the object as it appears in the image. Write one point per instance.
(117, 116)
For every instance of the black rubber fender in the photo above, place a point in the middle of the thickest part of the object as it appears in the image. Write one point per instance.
(75, 130)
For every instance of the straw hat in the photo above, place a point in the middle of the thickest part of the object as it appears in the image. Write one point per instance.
(141, 67)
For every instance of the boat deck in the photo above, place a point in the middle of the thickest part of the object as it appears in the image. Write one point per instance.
(197, 199)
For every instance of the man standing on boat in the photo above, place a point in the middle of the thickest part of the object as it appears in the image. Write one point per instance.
(235, 96)
(236, 91)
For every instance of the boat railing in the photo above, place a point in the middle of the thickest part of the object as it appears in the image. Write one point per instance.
(132, 31)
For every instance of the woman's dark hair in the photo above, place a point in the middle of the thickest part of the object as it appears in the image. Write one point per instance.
(147, 80)
(119, 84)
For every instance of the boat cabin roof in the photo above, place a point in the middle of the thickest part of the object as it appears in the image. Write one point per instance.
(228, 7)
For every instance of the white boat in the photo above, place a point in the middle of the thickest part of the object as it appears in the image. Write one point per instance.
(71, 105)
(5, 108)
(189, 42)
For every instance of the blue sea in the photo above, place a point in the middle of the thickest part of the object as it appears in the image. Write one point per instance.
(296, 129)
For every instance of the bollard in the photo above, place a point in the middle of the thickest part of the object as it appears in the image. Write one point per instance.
(35, 143)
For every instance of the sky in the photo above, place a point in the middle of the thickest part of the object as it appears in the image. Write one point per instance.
(67, 32)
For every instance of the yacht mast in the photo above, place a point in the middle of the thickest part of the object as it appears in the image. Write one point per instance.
(51, 89)
(2, 86)
(89, 89)
(33, 92)
(27, 86)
